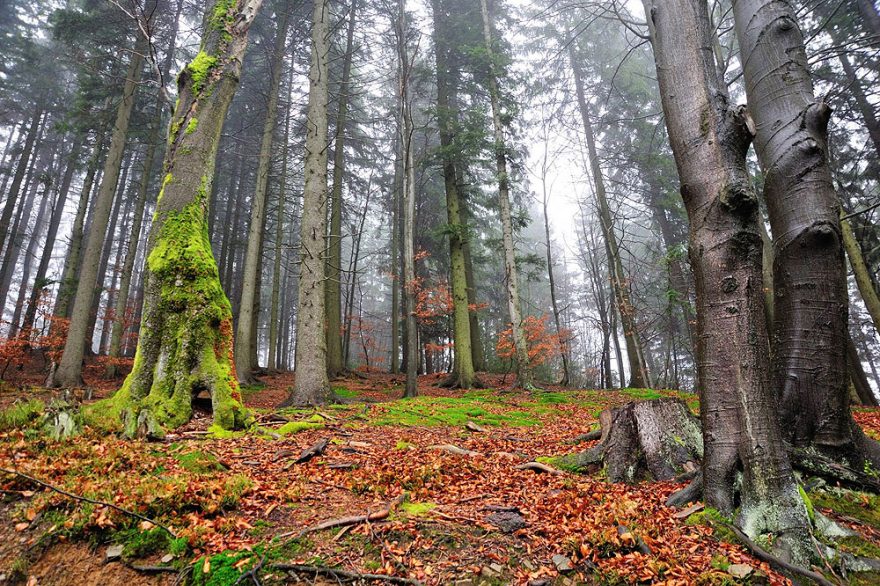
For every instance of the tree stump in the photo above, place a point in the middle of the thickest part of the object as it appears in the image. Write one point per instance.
(645, 440)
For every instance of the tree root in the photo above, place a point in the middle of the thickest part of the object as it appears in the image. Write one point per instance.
(355, 520)
(453, 381)
(340, 574)
(88, 500)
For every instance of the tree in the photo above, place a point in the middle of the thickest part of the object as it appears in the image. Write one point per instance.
(521, 354)
(186, 335)
(810, 296)
(253, 260)
(311, 386)
(463, 375)
(738, 410)
(68, 372)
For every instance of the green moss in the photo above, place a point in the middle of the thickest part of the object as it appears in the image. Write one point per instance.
(218, 432)
(567, 462)
(221, 569)
(223, 15)
(234, 488)
(716, 520)
(859, 546)
(199, 462)
(294, 427)
(139, 544)
(192, 125)
(862, 506)
(19, 415)
(402, 445)
(553, 398)
(200, 68)
(811, 512)
(417, 509)
(642, 394)
(450, 411)
(344, 393)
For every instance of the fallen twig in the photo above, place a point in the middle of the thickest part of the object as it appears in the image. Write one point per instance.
(153, 569)
(354, 520)
(455, 450)
(343, 574)
(88, 500)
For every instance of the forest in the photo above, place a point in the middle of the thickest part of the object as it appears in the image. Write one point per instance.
(467, 292)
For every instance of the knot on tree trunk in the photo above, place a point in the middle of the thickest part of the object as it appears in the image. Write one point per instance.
(645, 440)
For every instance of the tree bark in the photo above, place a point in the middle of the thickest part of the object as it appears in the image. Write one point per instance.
(185, 343)
(68, 373)
(737, 405)
(20, 170)
(253, 260)
(811, 300)
(524, 376)
(311, 386)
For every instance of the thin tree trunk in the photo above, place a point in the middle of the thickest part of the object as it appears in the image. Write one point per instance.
(857, 376)
(253, 260)
(638, 371)
(861, 273)
(311, 386)
(332, 290)
(68, 372)
(810, 277)
(185, 343)
(566, 377)
(21, 168)
(396, 277)
(29, 254)
(524, 375)
(737, 403)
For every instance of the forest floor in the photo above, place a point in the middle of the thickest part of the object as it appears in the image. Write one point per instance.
(440, 515)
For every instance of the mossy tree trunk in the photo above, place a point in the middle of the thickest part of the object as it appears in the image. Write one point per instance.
(811, 301)
(463, 375)
(738, 409)
(245, 349)
(311, 386)
(185, 343)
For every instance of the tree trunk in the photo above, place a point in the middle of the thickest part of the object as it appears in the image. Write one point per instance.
(67, 284)
(68, 373)
(396, 197)
(861, 273)
(273, 362)
(857, 376)
(737, 404)
(521, 351)
(185, 343)
(566, 377)
(40, 282)
(247, 307)
(333, 287)
(811, 300)
(463, 375)
(30, 253)
(311, 386)
(638, 371)
(409, 202)
(20, 170)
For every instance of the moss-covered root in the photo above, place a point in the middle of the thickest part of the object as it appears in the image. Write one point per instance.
(783, 522)
(185, 345)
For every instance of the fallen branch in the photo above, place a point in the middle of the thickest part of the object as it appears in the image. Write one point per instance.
(455, 450)
(538, 467)
(88, 500)
(766, 556)
(153, 569)
(354, 520)
(316, 450)
(342, 574)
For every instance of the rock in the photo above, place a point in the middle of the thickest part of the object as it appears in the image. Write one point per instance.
(466, 582)
(830, 529)
(471, 426)
(562, 563)
(740, 571)
(488, 572)
(507, 521)
(167, 558)
(498, 568)
(527, 565)
(539, 582)
(114, 552)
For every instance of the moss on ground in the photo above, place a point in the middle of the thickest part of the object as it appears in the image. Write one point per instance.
(294, 427)
(859, 505)
(21, 414)
(417, 509)
(199, 462)
(450, 411)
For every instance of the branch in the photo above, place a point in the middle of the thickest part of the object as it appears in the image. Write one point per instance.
(88, 500)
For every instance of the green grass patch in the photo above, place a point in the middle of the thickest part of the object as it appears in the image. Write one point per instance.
(234, 488)
(417, 509)
(20, 414)
(139, 544)
(294, 427)
(344, 393)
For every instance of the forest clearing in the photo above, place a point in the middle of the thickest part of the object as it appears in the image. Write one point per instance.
(469, 292)
(466, 517)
